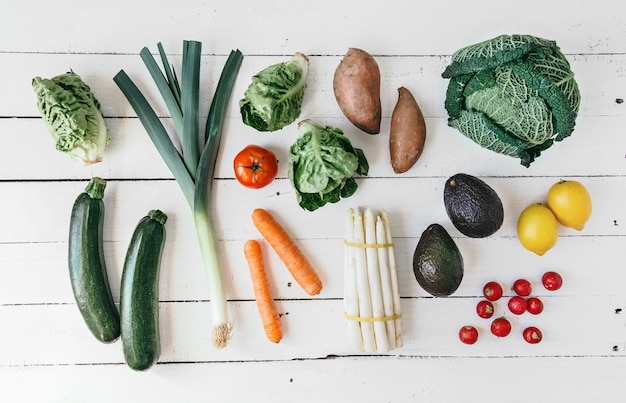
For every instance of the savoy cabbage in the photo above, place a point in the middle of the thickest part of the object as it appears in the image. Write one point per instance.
(513, 94)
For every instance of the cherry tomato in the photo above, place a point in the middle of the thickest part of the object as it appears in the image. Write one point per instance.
(468, 334)
(484, 309)
(501, 327)
(522, 287)
(517, 305)
(492, 291)
(534, 305)
(255, 166)
(552, 280)
(532, 335)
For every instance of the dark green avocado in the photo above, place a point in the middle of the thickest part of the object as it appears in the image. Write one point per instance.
(437, 262)
(474, 208)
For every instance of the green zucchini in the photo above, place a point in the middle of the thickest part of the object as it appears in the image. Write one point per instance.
(88, 273)
(139, 294)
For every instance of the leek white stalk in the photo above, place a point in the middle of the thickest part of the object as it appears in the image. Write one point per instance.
(373, 275)
(193, 170)
(363, 286)
(351, 297)
(393, 272)
(385, 280)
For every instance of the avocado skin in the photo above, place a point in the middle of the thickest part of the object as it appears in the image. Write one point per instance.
(474, 208)
(437, 262)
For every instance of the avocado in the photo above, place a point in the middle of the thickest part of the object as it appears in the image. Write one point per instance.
(474, 208)
(437, 262)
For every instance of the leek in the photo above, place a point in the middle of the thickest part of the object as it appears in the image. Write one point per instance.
(194, 167)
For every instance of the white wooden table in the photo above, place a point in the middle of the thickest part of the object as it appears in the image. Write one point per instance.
(48, 355)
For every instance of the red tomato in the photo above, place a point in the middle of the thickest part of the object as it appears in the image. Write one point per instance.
(468, 334)
(484, 309)
(517, 305)
(552, 280)
(492, 291)
(532, 335)
(255, 166)
(522, 287)
(534, 305)
(501, 327)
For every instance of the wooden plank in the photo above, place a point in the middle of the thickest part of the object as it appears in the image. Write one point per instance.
(333, 379)
(56, 335)
(400, 29)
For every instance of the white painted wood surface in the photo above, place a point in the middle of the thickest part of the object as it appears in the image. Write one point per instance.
(48, 355)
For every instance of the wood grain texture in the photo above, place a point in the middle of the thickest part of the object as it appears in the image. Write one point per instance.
(45, 342)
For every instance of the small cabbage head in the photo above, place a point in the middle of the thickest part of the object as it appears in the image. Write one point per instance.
(73, 117)
(274, 98)
(323, 164)
(513, 94)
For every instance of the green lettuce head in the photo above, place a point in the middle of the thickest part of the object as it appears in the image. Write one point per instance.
(513, 94)
(322, 165)
(72, 114)
(274, 98)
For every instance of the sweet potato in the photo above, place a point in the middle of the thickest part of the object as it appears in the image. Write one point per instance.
(357, 89)
(407, 133)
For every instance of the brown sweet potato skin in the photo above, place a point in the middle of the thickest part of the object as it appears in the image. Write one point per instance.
(407, 133)
(356, 84)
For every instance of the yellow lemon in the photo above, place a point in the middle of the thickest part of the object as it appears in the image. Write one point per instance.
(537, 228)
(570, 202)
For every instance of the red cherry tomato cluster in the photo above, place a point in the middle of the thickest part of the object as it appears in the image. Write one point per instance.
(517, 305)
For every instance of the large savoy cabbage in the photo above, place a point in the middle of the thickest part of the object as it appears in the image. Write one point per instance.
(513, 94)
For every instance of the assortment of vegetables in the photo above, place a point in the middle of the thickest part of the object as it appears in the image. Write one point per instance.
(193, 170)
(274, 98)
(323, 164)
(371, 296)
(513, 94)
(73, 117)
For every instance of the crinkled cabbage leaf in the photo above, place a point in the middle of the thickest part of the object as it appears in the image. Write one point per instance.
(73, 117)
(323, 164)
(513, 94)
(274, 98)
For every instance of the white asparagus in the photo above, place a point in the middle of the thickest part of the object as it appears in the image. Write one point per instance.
(351, 299)
(385, 280)
(363, 287)
(373, 275)
(394, 280)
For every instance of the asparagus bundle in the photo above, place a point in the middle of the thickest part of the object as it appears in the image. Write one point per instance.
(371, 298)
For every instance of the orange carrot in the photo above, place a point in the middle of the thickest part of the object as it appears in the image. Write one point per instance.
(264, 300)
(297, 264)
